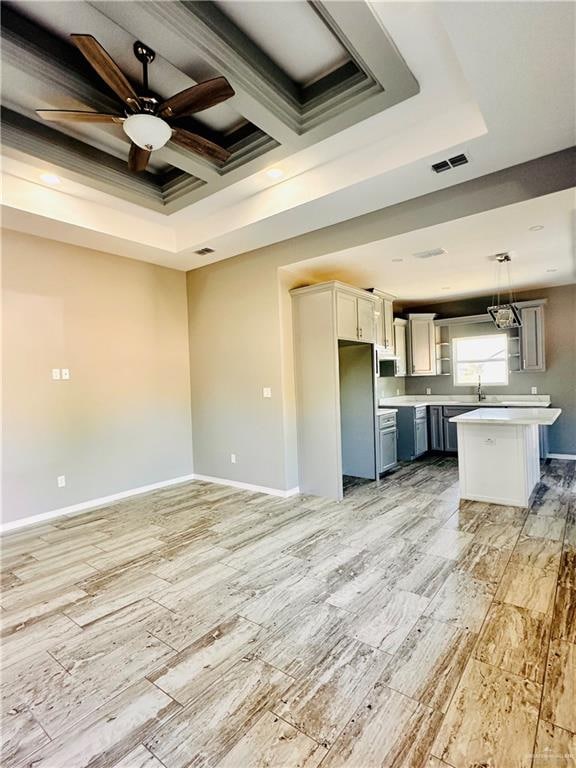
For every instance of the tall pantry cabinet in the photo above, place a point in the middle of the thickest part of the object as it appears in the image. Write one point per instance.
(334, 329)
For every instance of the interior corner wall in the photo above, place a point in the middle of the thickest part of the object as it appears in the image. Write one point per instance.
(122, 421)
(240, 323)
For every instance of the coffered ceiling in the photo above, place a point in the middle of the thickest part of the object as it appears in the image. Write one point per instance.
(350, 103)
(300, 71)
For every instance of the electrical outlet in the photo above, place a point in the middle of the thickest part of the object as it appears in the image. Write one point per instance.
(428, 390)
(397, 392)
(232, 458)
(61, 480)
(266, 392)
(66, 373)
(55, 374)
(534, 390)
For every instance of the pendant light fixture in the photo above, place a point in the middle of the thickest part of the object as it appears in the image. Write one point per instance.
(504, 315)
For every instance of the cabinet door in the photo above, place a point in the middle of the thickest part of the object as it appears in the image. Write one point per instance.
(421, 429)
(366, 320)
(400, 347)
(422, 347)
(532, 339)
(450, 436)
(436, 431)
(387, 326)
(387, 454)
(379, 315)
(347, 309)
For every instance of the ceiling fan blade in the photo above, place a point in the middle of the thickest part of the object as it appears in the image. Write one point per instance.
(199, 144)
(107, 68)
(59, 115)
(197, 98)
(138, 158)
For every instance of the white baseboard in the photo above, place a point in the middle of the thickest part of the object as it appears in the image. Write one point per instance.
(249, 487)
(568, 456)
(84, 506)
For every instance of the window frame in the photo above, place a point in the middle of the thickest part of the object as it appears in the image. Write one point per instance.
(455, 361)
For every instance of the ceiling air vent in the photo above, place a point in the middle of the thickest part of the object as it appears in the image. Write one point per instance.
(452, 162)
(204, 251)
(442, 166)
(429, 254)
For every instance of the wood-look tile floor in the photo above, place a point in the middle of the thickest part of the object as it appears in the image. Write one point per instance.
(204, 626)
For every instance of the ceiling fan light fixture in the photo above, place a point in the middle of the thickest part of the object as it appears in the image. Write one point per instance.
(147, 131)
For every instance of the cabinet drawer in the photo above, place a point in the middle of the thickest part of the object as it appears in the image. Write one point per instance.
(386, 420)
(420, 413)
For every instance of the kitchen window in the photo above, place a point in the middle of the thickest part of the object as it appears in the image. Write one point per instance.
(480, 359)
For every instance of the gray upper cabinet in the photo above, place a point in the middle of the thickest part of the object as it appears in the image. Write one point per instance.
(384, 324)
(532, 338)
(421, 345)
(400, 346)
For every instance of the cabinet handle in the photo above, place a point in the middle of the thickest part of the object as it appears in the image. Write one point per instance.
(360, 333)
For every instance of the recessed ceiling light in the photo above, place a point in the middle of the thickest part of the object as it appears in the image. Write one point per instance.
(553, 269)
(274, 173)
(446, 287)
(536, 228)
(397, 259)
(50, 178)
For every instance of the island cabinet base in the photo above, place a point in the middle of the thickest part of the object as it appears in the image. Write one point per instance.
(498, 463)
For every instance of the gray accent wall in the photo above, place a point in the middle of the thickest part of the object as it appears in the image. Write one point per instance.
(559, 378)
(122, 421)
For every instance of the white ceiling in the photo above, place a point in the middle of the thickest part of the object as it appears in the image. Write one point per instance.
(281, 28)
(497, 81)
(540, 258)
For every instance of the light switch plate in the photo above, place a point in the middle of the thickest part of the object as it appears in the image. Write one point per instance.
(534, 390)
(267, 392)
(232, 458)
(55, 374)
(66, 373)
(61, 480)
(428, 390)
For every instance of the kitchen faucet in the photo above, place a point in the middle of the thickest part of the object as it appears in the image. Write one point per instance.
(481, 395)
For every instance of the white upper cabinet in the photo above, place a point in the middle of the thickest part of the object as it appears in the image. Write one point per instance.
(385, 324)
(421, 345)
(532, 338)
(347, 313)
(356, 316)
(400, 346)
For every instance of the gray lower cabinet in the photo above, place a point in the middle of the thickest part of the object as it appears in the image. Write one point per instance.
(412, 432)
(387, 449)
(436, 428)
(421, 437)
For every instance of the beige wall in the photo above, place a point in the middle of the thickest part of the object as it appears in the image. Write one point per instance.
(123, 419)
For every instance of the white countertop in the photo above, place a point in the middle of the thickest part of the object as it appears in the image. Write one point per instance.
(545, 416)
(492, 401)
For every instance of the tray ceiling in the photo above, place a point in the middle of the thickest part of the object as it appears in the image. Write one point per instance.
(301, 72)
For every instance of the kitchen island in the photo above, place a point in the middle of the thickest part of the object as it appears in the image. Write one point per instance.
(498, 453)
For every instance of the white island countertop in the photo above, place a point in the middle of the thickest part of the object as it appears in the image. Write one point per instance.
(544, 416)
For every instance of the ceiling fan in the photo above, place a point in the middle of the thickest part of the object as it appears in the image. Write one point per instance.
(147, 121)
